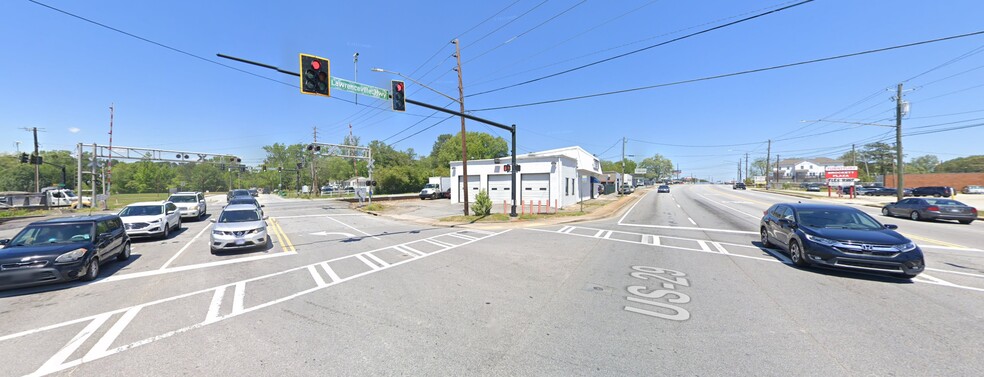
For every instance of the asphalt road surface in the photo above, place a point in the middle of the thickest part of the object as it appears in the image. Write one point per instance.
(675, 284)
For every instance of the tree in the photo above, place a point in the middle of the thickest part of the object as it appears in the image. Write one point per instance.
(880, 157)
(657, 167)
(923, 164)
(480, 146)
(969, 164)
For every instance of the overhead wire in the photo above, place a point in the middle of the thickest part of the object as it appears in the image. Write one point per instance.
(510, 40)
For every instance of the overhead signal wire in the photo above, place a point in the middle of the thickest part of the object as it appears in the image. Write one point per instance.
(642, 49)
(739, 73)
(510, 40)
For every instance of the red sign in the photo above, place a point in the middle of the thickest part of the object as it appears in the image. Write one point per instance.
(841, 172)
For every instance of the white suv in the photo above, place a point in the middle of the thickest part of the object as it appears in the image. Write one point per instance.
(150, 219)
(191, 204)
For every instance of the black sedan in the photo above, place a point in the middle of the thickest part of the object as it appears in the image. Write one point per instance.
(887, 191)
(663, 188)
(932, 209)
(839, 236)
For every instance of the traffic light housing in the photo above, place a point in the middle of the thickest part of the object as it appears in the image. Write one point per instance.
(315, 75)
(35, 160)
(399, 95)
(315, 148)
(507, 168)
(24, 158)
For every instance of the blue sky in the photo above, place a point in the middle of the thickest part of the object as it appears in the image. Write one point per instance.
(61, 74)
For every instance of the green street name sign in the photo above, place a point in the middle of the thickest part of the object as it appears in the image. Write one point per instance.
(354, 87)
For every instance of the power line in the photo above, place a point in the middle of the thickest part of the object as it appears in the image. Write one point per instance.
(642, 49)
(425, 129)
(506, 24)
(510, 40)
(757, 70)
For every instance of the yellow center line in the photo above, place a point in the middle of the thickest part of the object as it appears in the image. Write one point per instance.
(284, 235)
(285, 243)
(942, 243)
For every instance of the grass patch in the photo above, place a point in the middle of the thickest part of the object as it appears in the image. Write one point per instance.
(493, 218)
(11, 213)
(375, 207)
(118, 201)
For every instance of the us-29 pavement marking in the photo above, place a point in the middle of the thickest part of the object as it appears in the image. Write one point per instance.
(319, 276)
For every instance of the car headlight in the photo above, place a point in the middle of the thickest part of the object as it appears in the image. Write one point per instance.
(821, 240)
(218, 233)
(905, 247)
(71, 256)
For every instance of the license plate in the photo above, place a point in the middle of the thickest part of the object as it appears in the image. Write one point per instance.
(240, 242)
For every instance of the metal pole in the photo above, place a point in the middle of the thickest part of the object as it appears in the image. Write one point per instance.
(512, 212)
(78, 187)
(768, 164)
(93, 200)
(464, 144)
(37, 166)
(355, 59)
(899, 168)
(109, 171)
(370, 172)
(618, 185)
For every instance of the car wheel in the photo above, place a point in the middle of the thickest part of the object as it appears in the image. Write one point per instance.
(422, 198)
(914, 215)
(167, 232)
(966, 221)
(124, 254)
(765, 238)
(886, 213)
(797, 255)
(92, 270)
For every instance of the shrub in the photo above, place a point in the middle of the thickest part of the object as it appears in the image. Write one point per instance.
(482, 205)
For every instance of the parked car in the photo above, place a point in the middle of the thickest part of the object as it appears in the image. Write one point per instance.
(738, 186)
(626, 189)
(239, 226)
(191, 204)
(858, 190)
(935, 191)
(972, 189)
(150, 219)
(839, 236)
(237, 192)
(813, 187)
(663, 188)
(253, 192)
(62, 249)
(931, 209)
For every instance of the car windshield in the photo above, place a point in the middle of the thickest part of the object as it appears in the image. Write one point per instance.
(837, 218)
(183, 199)
(153, 210)
(243, 201)
(238, 216)
(53, 233)
(943, 202)
(430, 185)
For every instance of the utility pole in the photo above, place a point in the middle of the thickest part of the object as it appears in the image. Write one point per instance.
(109, 170)
(899, 168)
(314, 172)
(777, 169)
(37, 167)
(768, 163)
(854, 156)
(739, 171)
(748, 173)
(464, 145)
(618, 185)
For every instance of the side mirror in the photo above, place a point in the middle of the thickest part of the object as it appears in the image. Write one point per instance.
(891, 226)
(786, 223)
(265, 217)
(211, 220)
(261, 205)
(4, 241)
(170, 212)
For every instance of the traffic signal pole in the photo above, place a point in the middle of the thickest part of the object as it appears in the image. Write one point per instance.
(511, 129)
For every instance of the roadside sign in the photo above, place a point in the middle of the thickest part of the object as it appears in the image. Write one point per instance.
(357, 88)
(641, 171)
(841, 172)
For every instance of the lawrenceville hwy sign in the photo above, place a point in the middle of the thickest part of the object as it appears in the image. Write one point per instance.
(841, 172)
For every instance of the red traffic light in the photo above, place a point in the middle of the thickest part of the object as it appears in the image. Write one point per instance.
(399, 86)
(507, 167)
(315, 64)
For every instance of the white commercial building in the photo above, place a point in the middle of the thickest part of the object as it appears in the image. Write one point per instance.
(560, 177)
(806, 169)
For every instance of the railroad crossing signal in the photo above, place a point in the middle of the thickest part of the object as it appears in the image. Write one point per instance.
(315, 75)
(399, 95)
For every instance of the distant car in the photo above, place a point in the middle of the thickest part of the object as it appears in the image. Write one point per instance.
(62, 249)
(626, 189)
(191, 204)
(934, 191)
(839, 236)
(813, 187)
(858, 190)
(932, 209)
(237, 192)
(738, 186)
(881, 191)
(239, 226)
(253, 192)
(327, 190)
(246, 200)
(663, 188)
(150, 219)
(972, 189)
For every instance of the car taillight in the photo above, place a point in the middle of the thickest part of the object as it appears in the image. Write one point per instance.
(973, 210)
(933, 208)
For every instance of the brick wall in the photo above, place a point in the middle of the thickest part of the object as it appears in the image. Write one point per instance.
(955, 180)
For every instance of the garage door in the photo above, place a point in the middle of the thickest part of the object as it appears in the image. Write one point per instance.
(473, 184)
(500, 188)
(536, 187)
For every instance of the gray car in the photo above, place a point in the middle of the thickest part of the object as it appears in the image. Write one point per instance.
(932, 209)
(239, 226)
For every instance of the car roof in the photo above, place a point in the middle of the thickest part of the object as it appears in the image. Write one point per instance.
(186, 193)
(76, 219)
(155, 203)
(239, 207)
(815, 206)
(243, 199)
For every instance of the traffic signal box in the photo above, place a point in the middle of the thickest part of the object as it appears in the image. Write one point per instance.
(315, 75)
(399, 95)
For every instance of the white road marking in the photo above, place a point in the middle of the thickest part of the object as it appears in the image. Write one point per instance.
(352, 227)
(731, 208)
(366, 261)
(316, 276)
(190, 267)
(114, 332)
(215, 305)
(703, 246)
(175, 256)
(462, 236)
(331, 273)
(410, 250)
(57, 362)
(721, 249)
(935, 280)
(438, 243)
(564, 229)
(921, 246)
(955, 272)
(690, 228)
(692, 222)
(599, 233)
(679, 206)
(485, 232)
(631, 208)
(377, 259)
(778, 254)
(238, 296)
(323, 233)
(607, 235)
(332, 215)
